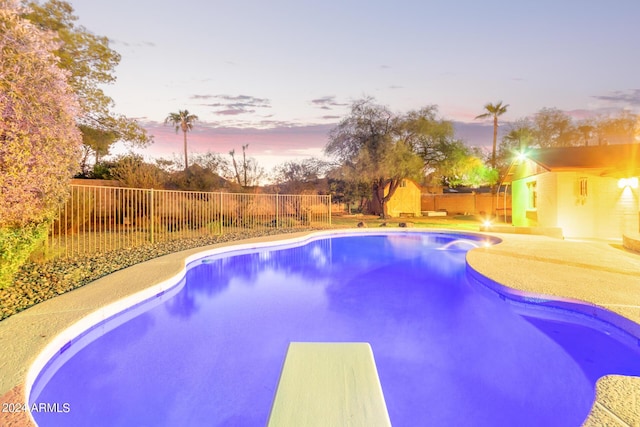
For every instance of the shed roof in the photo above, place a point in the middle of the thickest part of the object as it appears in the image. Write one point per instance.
(619, 160)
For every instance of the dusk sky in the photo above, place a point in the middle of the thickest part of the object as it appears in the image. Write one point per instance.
(278, 75)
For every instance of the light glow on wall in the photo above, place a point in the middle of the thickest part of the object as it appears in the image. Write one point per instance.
(628, 182)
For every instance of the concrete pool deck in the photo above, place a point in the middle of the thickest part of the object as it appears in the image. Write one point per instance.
(595, 272)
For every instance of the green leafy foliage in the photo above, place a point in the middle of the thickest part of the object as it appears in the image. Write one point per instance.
(196, 178)
(469, 171)
(39, 140)
(132, 171)
(90, 64)
(369, 147)
(300, 176)
(553, 128)
(86, 56)
(16, 244)
(376, 147)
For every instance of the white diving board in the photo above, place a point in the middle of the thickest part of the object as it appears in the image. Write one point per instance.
(329, 384)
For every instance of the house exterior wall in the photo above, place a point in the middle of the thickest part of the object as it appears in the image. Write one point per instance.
(544, 213)
(406, 200)
(616, 209)
(519, 204)
(547, 200)
(604, 212)
(576, 212)
(583, 205)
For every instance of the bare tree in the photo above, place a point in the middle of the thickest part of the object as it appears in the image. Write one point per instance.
(248, 172)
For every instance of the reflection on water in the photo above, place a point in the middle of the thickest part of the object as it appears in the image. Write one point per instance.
(446, 353)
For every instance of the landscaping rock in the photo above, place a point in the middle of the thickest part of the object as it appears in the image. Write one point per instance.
(39, 281)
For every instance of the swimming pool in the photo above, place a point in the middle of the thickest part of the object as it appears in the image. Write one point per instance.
(209, 352)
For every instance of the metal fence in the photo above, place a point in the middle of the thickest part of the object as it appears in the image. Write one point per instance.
(99, 219)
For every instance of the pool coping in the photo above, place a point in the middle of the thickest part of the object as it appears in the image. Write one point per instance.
(572, 270)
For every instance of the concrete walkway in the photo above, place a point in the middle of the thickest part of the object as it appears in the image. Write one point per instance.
(603, 274)
(595, 272)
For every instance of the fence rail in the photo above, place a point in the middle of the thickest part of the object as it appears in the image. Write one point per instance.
(98, 218)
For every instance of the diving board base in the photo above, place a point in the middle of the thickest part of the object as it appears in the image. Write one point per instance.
(329, 384)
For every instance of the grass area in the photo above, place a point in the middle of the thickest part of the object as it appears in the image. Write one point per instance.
(459, 222)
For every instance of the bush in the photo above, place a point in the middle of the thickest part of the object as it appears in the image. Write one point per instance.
(16, 244)
(196, 178)
(133, 172)
(39, 139)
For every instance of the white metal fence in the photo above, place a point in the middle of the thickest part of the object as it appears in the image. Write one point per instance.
(98, 219)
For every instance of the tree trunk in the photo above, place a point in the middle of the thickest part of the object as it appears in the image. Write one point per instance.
(186, 161)
(244, 164)
(380, 199)
(493, 164)
(377, 205)
(495, 139)
(232, 153)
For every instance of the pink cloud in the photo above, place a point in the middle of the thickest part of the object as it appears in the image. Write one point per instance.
(279, 140)
(274, 145)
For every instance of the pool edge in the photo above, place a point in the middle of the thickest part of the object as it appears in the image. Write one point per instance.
(14, 372)
(617, 399)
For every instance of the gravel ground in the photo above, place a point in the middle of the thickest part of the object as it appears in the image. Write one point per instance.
(37, 282)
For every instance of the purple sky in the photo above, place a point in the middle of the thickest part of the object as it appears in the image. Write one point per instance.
(278, 75)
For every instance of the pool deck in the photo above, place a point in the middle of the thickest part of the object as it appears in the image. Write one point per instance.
(600, 273)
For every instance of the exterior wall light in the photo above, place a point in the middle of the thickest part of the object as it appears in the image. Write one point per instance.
(628, 182)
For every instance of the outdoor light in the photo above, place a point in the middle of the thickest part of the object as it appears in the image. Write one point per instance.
(628, 182)
(486, 223)
(521, 156)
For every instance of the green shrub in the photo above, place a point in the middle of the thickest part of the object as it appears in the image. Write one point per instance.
(16, 244)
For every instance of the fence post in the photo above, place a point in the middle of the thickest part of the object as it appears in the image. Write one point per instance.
(151, 215)
(277, 204)
(329, 210)
(221, 214)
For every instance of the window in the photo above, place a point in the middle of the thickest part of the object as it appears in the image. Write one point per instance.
(532, 195)
(583, 190)
(403, 183)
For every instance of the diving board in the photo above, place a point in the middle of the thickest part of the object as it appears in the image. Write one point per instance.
(329, 384)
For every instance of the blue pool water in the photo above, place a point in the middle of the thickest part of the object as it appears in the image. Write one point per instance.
(449, 351)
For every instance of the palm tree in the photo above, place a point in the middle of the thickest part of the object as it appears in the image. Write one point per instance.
(495, 111)
(182, 120)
